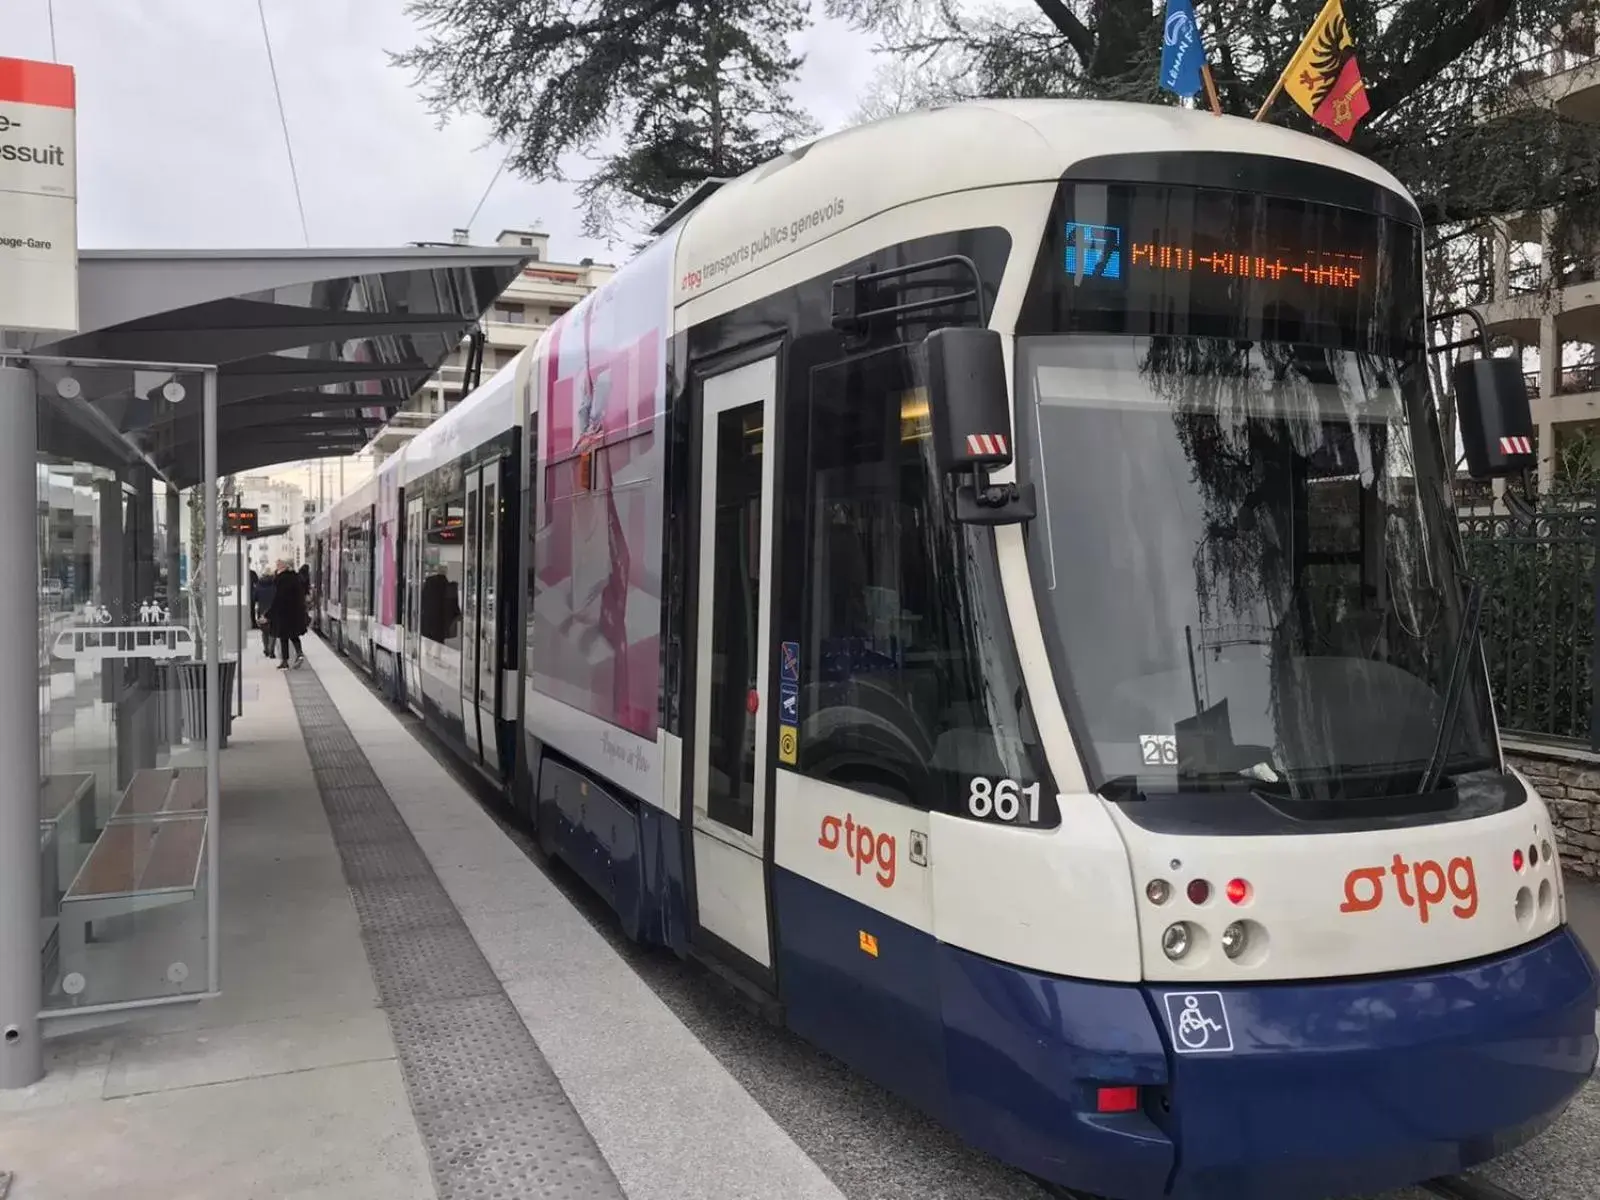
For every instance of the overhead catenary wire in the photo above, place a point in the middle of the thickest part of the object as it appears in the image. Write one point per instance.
(483, 199)
(283, 120)
(50, 11)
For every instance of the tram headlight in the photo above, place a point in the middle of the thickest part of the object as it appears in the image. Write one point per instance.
(1158, 891)
(1234, 939)
(1176, 940)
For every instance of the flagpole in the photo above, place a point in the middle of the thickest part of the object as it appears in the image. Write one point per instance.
(1284, 74)
(1272, 95)
(1211, 89)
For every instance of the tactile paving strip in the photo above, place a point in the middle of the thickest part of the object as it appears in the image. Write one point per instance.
(493, 1116)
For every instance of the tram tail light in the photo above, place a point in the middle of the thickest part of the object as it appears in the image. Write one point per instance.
(1516, 860)
(1117, 1100)
(1199, 891)
(1238, 891)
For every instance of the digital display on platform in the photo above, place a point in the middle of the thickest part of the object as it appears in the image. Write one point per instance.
(1147, 259)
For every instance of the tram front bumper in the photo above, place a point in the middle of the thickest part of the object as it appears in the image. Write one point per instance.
(1296, 1090)
(1336, 1088)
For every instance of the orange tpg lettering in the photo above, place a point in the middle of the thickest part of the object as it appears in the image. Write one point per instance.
(1422, 884)
(862, 845)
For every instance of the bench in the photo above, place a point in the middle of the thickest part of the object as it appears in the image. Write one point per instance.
(138, 863)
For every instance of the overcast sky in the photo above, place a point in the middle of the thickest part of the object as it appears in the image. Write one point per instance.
(179, 143)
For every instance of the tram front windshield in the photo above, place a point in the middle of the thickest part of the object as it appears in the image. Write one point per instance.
(1244, 555)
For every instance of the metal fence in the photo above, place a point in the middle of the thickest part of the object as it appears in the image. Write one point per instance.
(1539, 619)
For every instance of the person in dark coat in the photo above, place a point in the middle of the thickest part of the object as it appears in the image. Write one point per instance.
(261, 591)
(286, 616)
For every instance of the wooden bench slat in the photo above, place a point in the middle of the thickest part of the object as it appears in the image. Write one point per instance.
(146, 794)
(141, 856)
(188, 791)
(113, 865)
(176, 855)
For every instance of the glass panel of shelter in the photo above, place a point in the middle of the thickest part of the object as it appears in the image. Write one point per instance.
(123, 834)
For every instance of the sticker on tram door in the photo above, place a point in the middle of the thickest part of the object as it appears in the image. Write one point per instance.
(788, 744)
(1199, 1022)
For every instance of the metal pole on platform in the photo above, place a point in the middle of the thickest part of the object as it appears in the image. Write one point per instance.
(208, 434)
(21, 975)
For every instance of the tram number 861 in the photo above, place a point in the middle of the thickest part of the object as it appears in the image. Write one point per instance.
(1001, 799)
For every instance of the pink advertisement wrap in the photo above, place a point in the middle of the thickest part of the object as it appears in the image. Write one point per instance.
(597, 558)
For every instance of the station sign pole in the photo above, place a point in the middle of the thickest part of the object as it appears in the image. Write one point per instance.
(38, 293)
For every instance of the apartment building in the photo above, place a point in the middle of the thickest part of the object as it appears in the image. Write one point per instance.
(1543, 285)
(543, 292)
(278, 503)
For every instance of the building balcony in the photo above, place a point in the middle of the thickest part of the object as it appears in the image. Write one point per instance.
(1576, 398)
(511, 334)
(1575, 307)
(1566, 79)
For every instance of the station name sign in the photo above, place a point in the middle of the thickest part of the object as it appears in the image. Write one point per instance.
(38, 196)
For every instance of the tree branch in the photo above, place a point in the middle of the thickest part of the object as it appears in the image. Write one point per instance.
(1455, 39)
(1070, 27)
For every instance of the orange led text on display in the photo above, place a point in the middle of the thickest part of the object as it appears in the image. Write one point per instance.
(1323, 270)
(1422, 884)
(862, 845)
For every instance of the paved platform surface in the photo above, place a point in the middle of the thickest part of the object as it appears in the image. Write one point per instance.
(388, 940)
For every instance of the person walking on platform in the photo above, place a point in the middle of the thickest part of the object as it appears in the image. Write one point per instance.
(286, 618)
(261, 591)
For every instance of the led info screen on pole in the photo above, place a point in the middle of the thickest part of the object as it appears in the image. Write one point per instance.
(38, 197)
(1144, 259)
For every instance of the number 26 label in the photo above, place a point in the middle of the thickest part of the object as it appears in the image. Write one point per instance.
(1002, 799)
(1158, 749)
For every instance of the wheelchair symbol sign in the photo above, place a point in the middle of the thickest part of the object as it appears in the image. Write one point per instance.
(1199, 1022)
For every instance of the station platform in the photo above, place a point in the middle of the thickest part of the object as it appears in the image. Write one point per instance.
(414, 1006)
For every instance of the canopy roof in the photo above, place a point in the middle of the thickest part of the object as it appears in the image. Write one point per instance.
(314, 349)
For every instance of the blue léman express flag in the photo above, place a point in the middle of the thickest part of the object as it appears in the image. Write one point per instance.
(1182, 51)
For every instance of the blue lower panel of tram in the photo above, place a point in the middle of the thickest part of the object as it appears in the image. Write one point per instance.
(1316, 1090)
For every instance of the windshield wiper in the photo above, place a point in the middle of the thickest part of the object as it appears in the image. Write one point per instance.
(1455, 684)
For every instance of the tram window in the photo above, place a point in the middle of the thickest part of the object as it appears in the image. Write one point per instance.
(910, 686)
(441, 582)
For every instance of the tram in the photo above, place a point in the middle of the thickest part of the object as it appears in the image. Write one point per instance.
(985, 583)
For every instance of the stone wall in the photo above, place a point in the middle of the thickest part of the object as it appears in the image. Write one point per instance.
(1569, 781)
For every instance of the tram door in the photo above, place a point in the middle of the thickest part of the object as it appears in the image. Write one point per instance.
(471, 567)
(488, 661)
(411, 616)
(729, 749)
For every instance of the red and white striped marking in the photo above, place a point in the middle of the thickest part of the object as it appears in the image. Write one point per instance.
(1516, 445)
(986, 444)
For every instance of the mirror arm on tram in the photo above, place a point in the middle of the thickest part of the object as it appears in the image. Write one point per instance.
(981, 502)
(857, 299)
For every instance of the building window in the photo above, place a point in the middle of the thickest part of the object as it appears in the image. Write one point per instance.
(559, 310)
(527, 241)
(510, 314)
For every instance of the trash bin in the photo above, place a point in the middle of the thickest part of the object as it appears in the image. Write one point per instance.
(192, 685)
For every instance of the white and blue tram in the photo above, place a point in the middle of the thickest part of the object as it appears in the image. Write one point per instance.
(985, 581)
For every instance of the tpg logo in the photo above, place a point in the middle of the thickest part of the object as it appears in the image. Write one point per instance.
(861, 844)
(1420, 884)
